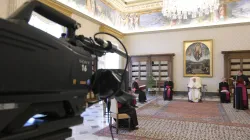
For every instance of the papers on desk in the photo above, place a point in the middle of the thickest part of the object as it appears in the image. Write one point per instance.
(142, 87)
(224, 91)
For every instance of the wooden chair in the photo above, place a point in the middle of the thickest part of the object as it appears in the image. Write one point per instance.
(114, 114)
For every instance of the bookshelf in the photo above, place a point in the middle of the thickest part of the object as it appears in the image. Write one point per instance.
(235, 60)
(159, 65)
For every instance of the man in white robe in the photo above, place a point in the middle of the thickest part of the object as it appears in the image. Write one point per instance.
(194, 94)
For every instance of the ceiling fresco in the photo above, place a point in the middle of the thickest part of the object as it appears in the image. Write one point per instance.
(131, 16)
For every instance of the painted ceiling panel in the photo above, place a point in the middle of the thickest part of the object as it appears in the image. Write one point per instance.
(147, 16)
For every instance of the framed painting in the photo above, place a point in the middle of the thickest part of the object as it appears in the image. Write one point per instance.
(198, 58)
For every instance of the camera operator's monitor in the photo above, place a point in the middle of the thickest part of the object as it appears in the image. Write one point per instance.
(47, 25)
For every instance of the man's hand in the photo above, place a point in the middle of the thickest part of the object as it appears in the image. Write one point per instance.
(234, 82)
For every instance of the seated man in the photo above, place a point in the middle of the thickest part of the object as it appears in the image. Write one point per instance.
(194, 94)
(126, 108)
(224, 91)
(138, 90)
(168, 90)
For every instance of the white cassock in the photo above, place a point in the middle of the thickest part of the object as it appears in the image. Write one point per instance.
(194, 93)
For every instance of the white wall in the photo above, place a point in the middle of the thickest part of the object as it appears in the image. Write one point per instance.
(7, 7)
(224, 39)
(88, 28)
(4, 8)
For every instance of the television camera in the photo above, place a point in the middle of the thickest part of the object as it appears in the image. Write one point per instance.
(41, 74)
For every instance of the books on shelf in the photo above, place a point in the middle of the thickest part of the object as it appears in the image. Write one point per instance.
(164, 73)
(135, 73)
(144, 73)
(246, 60)
(143, 78)
(135, 68)
(135, 63)
(143, 63)
(155, 73)
(246, 66)
(155, 67)
(164, 67)
(164, 78)
(235, 60)
(164, 62)
(143, 68)
(155, 62)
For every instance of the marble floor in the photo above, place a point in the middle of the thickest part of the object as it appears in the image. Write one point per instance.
(94, 120)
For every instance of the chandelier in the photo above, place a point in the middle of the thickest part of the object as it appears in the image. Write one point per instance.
(184, 9)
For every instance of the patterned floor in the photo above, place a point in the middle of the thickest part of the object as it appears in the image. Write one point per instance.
(181, 120)
(94, 120)
(95, 123)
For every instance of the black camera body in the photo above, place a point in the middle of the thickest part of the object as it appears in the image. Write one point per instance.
(40, 74)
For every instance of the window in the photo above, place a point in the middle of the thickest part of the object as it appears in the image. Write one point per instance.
(109, 61)
(46, 25)
(101, 62)
(112, 61)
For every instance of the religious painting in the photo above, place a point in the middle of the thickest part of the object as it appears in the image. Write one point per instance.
(198, 58)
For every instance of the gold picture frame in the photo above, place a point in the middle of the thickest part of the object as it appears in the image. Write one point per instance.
(198, 58)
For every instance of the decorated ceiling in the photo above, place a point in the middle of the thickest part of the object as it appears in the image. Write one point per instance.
(131, 16)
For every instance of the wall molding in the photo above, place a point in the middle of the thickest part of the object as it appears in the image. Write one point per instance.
(189, 28)
(104, 28)
(59, 7)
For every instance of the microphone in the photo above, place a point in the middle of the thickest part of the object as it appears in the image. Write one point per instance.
(108, 46)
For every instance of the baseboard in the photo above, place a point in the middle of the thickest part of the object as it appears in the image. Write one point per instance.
(185, 93)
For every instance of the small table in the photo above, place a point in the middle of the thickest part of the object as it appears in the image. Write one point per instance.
(204, 90)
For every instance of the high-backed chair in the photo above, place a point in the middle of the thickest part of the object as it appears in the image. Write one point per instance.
(115, 114)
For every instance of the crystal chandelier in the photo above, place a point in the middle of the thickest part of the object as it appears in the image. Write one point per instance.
(184, 9)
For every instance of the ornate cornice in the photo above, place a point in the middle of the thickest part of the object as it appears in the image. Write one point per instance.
(141, 7)
(59, 7)
(136, 7)
(104, 28)
(115, 4)
(228, 1)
